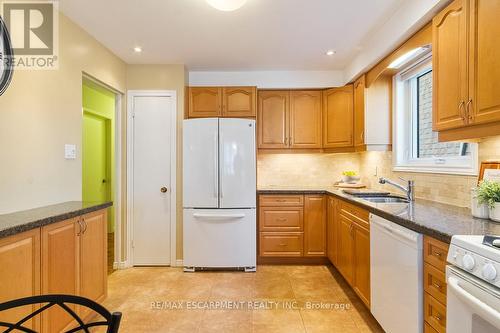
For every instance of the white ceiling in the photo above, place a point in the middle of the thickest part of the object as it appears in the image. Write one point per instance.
(263, 35)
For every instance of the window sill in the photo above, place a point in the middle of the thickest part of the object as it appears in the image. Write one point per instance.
(437, 170)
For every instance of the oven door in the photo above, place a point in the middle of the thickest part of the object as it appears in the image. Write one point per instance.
(472, 305)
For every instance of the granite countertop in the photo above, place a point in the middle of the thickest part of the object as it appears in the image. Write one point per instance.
(431, 218)
(16, 222)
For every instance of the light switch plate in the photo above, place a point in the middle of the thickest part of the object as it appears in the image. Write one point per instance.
(69, 152)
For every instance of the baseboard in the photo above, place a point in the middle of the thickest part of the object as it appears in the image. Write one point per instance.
(179, 263)
(292, 261)
(120, 265)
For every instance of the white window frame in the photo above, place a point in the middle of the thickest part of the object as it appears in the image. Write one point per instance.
(404, 102)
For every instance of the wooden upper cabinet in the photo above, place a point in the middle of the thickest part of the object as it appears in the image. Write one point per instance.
(359, 113)
(60, 271)
(273, 119)
(449, 61)
(484, 65)
(204, 102)
(93, 256)
(315, 226)
(239, 101)
(20, 277)
(305, 119)
(338, 117)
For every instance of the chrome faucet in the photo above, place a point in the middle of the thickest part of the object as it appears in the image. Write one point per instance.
(409, 190)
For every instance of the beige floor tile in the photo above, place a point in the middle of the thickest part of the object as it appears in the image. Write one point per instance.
(331, 321)
(222, 321)
(277, 321)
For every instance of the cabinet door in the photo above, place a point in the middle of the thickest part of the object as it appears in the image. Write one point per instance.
(204, 102)
(239, 101)
(20, 277)
(449, 62)
(273, 119)
(484, 63)
(305, 119)
(359, 113)
(332, 230)
(345, 248)
(60, 252)
(315, 226)
(93, 256)
(338, 117)
(361, 283)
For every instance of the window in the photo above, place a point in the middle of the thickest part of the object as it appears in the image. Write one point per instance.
(416, 145)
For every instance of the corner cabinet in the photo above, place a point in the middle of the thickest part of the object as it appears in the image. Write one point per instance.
(233, 102)
(466, 70)
(338, 117)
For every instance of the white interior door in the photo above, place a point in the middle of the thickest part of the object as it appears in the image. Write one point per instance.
(151, 179)
(238, 166)
(200, 163)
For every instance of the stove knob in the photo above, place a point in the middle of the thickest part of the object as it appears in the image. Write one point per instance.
(489, 272)
(468, 262)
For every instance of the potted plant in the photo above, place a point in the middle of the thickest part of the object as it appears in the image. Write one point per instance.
(488, 193)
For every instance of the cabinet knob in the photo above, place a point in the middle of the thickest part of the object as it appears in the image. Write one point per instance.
(163, 189)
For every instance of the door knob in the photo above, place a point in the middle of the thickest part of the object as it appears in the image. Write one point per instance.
(163, 189)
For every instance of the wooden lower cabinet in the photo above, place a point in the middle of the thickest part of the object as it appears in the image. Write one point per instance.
(315, 226)
(361, 254)
(60, 257)
(67, 257)
(20, 277)
(332, 230)
(281, 244)
(345, 246)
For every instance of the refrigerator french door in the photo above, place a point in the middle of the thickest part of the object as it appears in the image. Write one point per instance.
(219, 165)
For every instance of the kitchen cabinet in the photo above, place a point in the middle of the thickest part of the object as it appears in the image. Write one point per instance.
(60, 271)
(273, 119)
(315, 226)
(338, 117)
(359, 114)
(305, 119)
(204, 102)
(239, 102)
(332, 229)
(293, 226)
(345, 247)
(68, 257)
(361, 254)
(466, 71)
(236, 102)
(20, 263)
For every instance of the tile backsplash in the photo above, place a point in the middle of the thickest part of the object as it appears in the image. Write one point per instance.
(322, 170)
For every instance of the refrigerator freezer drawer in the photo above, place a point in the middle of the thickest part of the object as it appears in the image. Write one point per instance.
(220, 238)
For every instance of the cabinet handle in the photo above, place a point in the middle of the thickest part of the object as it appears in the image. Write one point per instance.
(280, 200)
(437, 254)
(84, 226)
(282, 244)
(437, 285)
(286, 142)
(282, 219)
(461, 110)
(79, 227)
(469, 114)
(290, 141)
(438, 317)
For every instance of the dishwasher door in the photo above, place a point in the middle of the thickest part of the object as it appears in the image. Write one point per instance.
(396, 276)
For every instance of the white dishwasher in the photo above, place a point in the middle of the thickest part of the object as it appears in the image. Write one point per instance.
(396, 276)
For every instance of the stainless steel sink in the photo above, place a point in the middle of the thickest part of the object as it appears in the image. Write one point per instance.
(384, 199)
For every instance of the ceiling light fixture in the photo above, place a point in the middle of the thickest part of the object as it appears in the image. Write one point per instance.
(330, 52)
(405, 58)
(226, 5)
(137, 49)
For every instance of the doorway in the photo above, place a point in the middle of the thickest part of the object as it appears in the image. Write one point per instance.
(98, 152)
(151, 177)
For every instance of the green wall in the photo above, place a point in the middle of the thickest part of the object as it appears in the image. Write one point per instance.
(98, 101)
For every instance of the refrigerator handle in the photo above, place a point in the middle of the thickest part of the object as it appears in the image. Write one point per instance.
(221, 156)
(216, 167)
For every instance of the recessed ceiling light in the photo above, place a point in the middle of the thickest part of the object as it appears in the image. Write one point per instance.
(137, 49)
(330, 52)
(226, 5)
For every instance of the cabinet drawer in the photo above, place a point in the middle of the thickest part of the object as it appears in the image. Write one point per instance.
(281, 219)
(435, 283)
(434, 313)
(281, 200)
(280, 244)
(435, 252)
(359, 215)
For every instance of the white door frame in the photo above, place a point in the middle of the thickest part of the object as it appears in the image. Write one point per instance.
(117, 204)
(130, 170)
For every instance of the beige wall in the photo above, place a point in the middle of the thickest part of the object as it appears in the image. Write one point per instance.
(165, 77)
(320, 170)
(40, 112)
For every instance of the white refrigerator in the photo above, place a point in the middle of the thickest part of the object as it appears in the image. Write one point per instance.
(219, 193)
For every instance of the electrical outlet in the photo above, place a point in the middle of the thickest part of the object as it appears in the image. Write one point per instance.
(375, 171)
(69, 152)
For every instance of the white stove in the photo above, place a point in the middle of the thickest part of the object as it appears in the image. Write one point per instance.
(473, 279)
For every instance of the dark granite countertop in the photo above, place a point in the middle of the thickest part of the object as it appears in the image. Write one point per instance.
(14, 223)
(431, 218)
